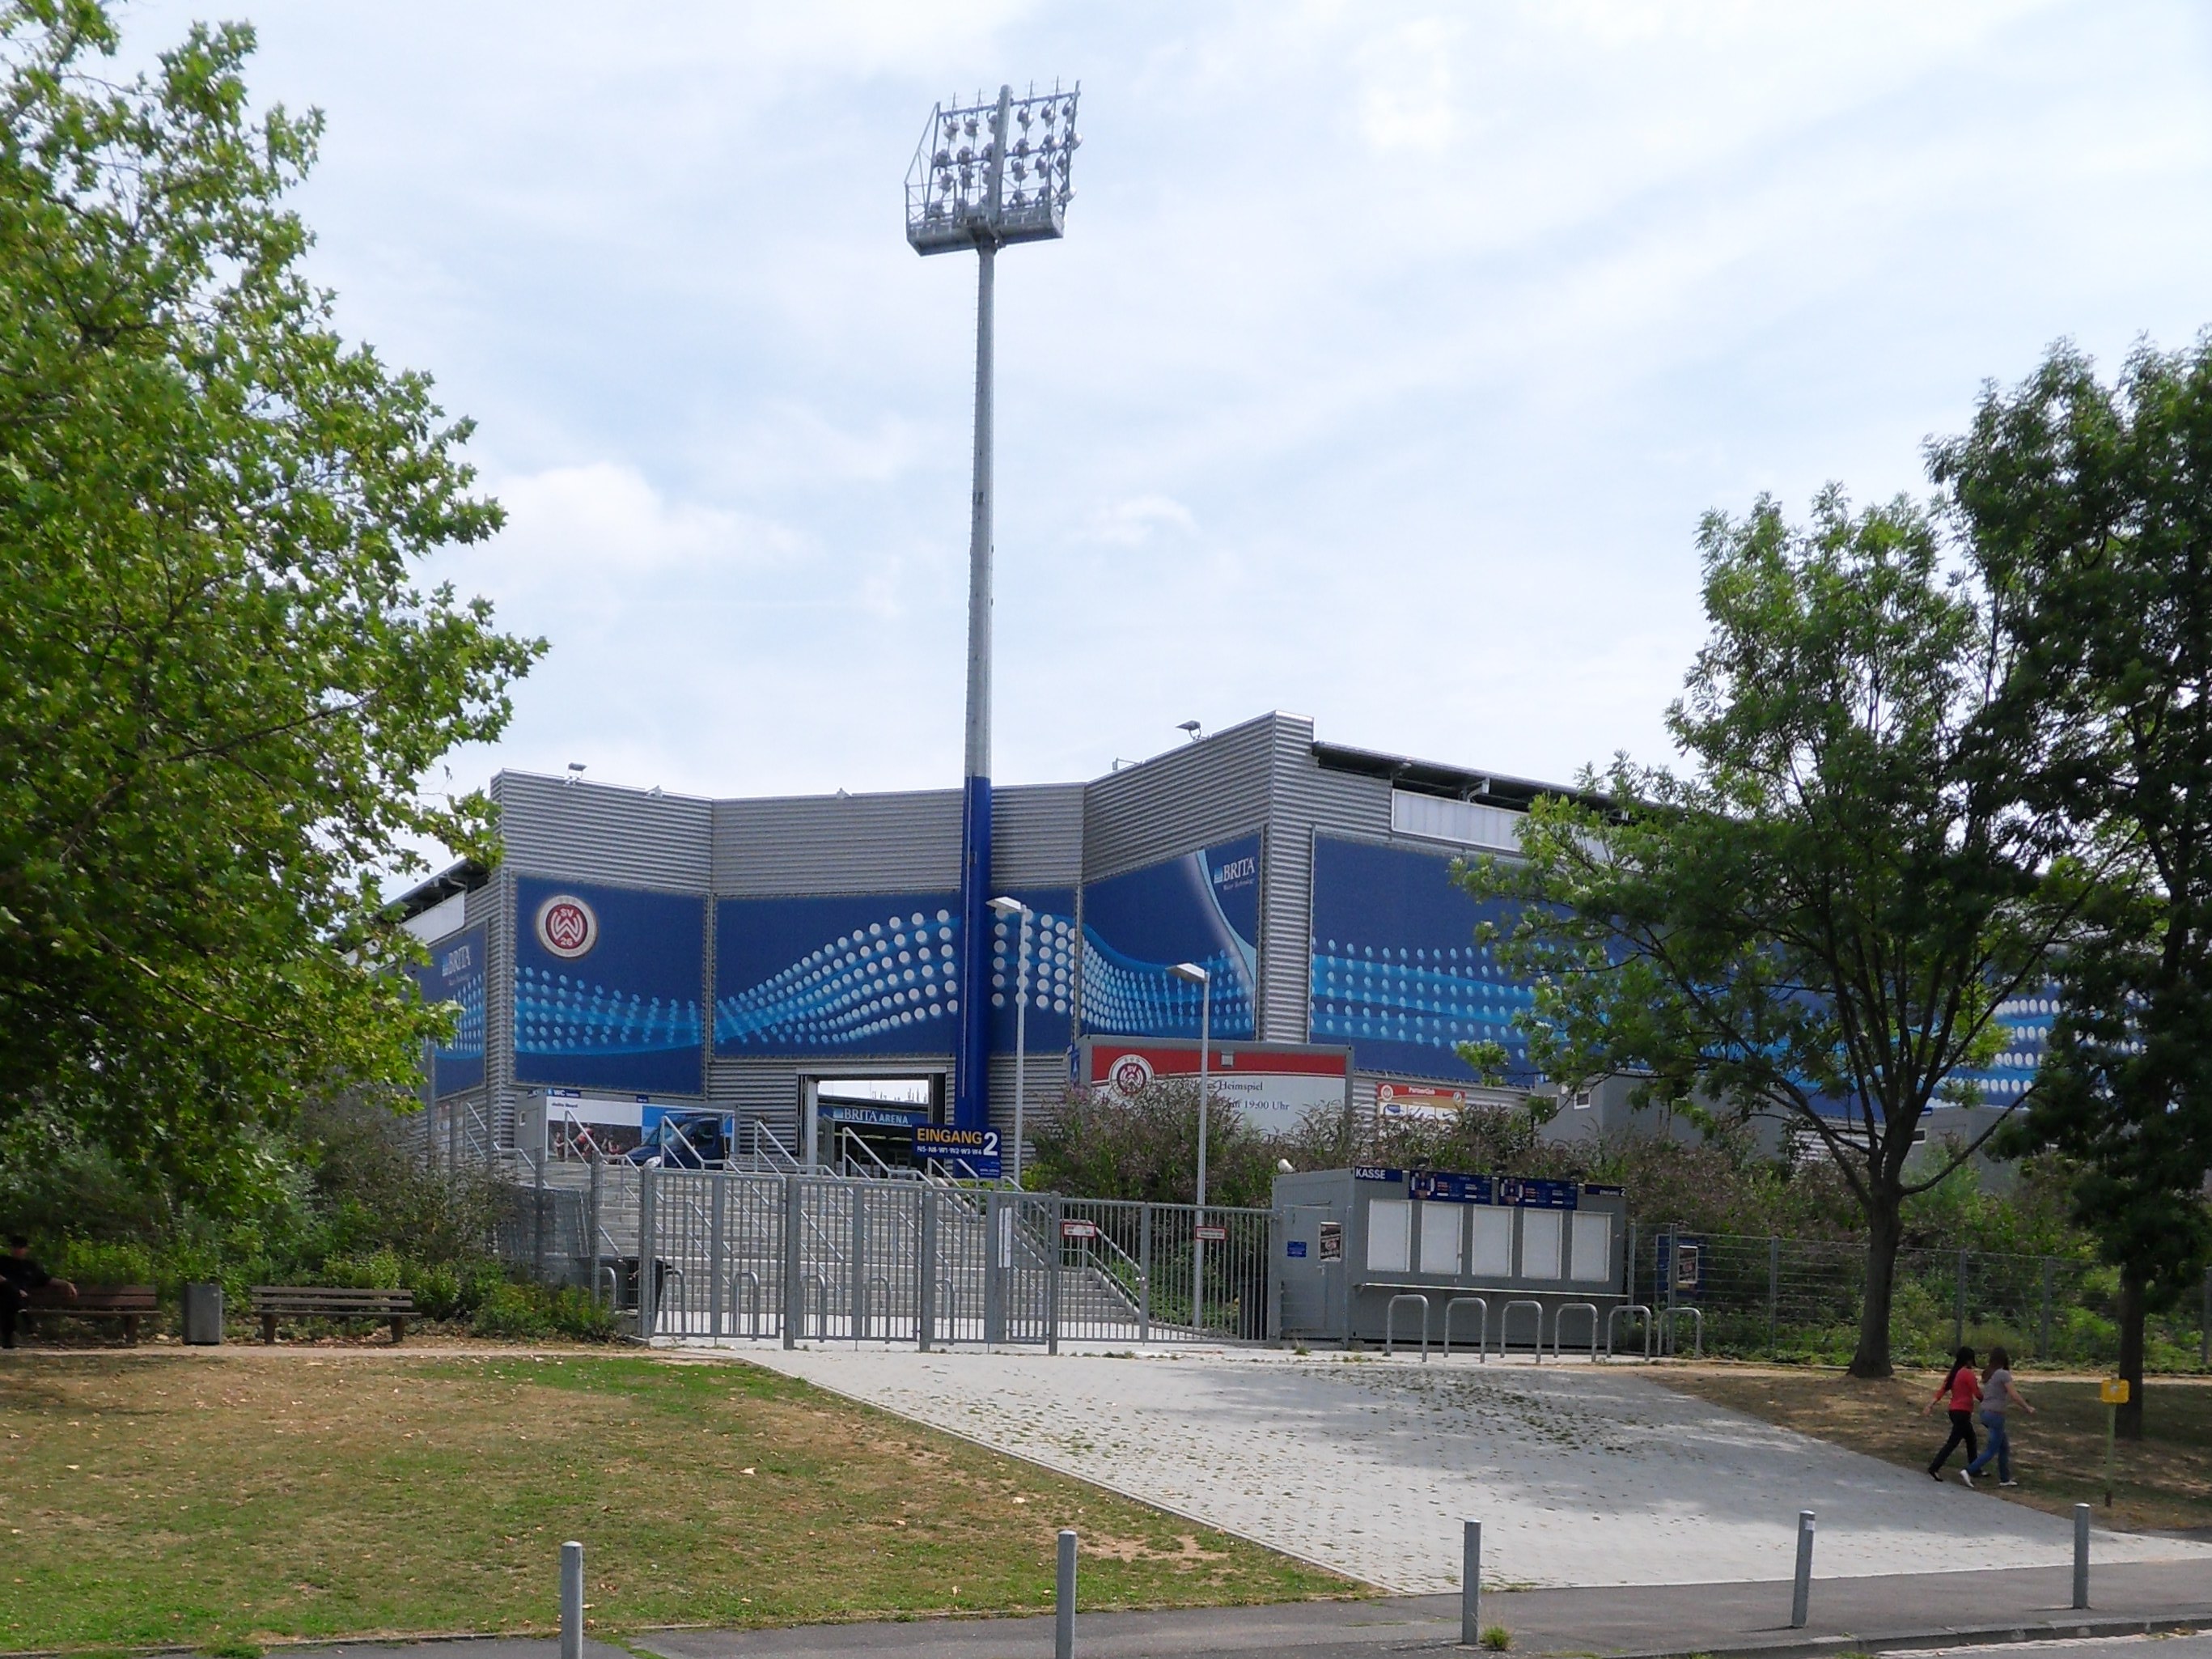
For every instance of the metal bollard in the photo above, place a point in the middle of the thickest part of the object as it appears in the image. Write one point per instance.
(2081, 1555)
(1470, 1582)
(1063, 1624)
(1801, 1594)
(571, 1601)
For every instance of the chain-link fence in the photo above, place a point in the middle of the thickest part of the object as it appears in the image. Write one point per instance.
(1791, 1299)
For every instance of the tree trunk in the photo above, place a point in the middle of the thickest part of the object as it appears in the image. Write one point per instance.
(1885, 1231)
(2131, 1423)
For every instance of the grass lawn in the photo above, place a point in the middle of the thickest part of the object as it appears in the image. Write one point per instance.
(2163, 1482)
(196, 1497)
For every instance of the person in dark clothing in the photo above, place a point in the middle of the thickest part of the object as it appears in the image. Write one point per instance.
(20, 1274)
(1964, 1388)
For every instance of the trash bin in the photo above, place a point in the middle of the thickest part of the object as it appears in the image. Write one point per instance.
(204, 1315)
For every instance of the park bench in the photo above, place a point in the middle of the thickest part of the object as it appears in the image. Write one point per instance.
(128, 1303)
(275, 1302)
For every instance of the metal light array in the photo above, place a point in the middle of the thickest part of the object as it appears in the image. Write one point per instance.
(963, 187)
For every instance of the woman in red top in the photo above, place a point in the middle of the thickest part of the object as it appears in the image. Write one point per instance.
(1964, 1388)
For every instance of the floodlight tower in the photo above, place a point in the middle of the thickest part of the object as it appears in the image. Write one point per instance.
(985, 174)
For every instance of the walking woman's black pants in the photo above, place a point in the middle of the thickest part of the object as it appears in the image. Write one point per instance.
(1962, 1434)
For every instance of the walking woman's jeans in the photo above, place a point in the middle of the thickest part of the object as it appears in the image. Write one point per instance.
(1962, 1434)
(2000, 1447)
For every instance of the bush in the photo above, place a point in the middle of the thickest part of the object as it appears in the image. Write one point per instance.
(522, 1312)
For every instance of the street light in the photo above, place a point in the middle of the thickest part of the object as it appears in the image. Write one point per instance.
(985, 174)
(1194, 973)
(1006, 907)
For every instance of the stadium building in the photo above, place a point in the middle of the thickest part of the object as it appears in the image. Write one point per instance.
(786, 965)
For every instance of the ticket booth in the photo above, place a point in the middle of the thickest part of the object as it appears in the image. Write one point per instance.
(1369, 1253)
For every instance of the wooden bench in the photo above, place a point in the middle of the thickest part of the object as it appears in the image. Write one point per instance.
(273, 1301)
(128, 1303)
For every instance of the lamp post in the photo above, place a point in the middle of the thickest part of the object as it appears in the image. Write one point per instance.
(1194, 973)
(974, 183)
(1014, 907)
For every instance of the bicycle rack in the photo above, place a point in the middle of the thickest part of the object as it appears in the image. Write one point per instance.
(867, 1302)
(1674, 1343)
(1560, 1318)
(1390, 1321)
(1482, 1331)
(822, 1302)
(1614, 1314)
(743, 1277)
(665, 1270)
(1505, 1320)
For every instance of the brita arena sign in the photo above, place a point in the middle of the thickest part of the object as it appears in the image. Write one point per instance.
(1272, 1086)
(566, 926)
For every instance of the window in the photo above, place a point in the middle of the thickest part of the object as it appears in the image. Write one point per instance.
(1389, 1235)
(1591, 1259)
(1440, 1237)
(1540, 1234)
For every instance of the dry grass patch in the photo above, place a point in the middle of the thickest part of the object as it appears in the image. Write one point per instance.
(198, 1499)
(2163, 1482)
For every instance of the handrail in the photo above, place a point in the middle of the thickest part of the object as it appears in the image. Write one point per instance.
(1482, 1331)
(783, 1158)
(1673, 1342)
(1136, 1267)
(737, 1278)
(1390, 1320)
(1558, 1317)
(1505, 1319)
(667, 1269)
(1613, 1314)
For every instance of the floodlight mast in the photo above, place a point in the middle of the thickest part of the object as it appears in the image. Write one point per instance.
(958, 196)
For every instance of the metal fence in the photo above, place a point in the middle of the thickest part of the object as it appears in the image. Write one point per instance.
(1800, 1299)
(728, 1252)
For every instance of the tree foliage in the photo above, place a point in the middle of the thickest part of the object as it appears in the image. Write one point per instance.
(220, 685)
(1819, 922)
(2088, 509)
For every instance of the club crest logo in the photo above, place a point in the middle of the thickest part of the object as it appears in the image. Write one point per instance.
(566, 926)
(1132, 1074)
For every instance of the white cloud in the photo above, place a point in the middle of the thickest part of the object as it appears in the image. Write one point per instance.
(1138, 520)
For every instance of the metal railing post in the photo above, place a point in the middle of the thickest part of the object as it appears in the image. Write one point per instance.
(2043, 1338)
(857, 1198)
(1958, 1314)
(1145, 1274)
(998, 1245)
(2081, 1555)
(1470, 1582)
(598, 1181)
(925, 1289)
(718, 1235)
(1774, 1295)
(1057, 1248)
(648, 1252)
(571, 1601)
(538, 1216)
(794, 1315)
(1063, 1622)
(1801, 1594)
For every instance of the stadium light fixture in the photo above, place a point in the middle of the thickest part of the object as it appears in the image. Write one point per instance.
(986, 174)
(1008, 908)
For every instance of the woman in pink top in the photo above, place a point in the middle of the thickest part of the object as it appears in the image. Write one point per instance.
(1963, 1388)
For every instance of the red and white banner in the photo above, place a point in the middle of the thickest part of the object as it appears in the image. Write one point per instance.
(1405, 1100)
(1272, 1087)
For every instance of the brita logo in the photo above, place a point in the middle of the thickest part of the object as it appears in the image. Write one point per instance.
(1236, 872)
(456, 961)
(566, 926)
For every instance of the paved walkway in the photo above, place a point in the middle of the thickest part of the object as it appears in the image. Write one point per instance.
(1581, 1475)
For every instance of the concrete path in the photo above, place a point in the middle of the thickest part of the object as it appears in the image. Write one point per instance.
(1581, 1475)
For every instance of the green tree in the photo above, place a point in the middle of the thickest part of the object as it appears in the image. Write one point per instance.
(1819, 922)
(220, 687)
(2088, 510)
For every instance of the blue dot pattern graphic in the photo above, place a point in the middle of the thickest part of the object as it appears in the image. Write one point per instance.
(468, 1043)
(895, 973)
(1433, 999)
(559, 1013)
(1049, 985)
(1130, 997)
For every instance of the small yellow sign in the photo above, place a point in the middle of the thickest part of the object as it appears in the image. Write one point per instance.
(2113, 1391)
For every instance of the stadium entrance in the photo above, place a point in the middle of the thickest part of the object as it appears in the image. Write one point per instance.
(865, 1125)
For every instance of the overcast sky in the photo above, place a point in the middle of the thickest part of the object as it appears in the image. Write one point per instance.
(1390, 359)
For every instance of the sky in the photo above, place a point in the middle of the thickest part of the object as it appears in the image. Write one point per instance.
(1391, 358)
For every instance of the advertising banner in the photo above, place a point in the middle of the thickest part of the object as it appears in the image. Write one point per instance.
(1396, 972)
(455, 974)
(1273, 1087)
(1052, 971)
(1405, 1101)
(867, 975)
(1203, 908)
(608, 987)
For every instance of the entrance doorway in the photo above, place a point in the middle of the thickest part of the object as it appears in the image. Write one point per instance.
(865, 1125)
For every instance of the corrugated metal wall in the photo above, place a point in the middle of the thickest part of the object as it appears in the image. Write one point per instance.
(597, 832)
(1188, 798)
(1303, 799)
(800, 844)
